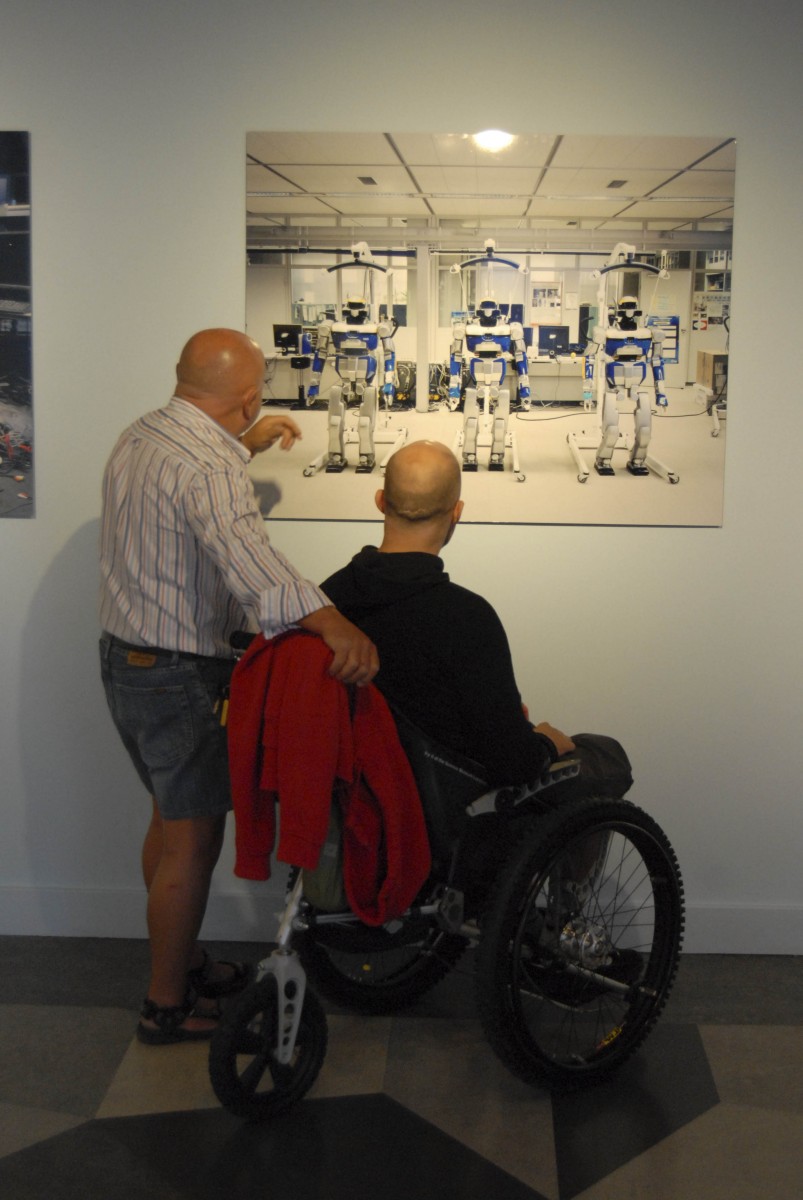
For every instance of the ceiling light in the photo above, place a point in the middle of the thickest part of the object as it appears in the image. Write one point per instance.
(492, 140)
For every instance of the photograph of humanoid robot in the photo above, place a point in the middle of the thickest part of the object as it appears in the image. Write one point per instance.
(353, 345)
(539, 308)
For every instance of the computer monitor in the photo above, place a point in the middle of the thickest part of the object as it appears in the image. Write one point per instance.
(287, 339)
(553, 339)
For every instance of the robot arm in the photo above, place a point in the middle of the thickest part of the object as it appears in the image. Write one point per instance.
(591, 352)
(319, 361)
(520, 358)
(657, 364)
(456, 361)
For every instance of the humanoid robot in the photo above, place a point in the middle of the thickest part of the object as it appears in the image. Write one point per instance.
(628, 351)
(352, 345)
(486, 345)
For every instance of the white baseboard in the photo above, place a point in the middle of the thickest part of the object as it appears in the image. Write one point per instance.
(744, 929)
(244, 916)
(251, 915)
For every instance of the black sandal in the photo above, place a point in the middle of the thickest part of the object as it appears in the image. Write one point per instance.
(169, 1021)
(212, 989)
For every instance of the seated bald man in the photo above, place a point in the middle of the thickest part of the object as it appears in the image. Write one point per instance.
(185, 562)
(445, 660)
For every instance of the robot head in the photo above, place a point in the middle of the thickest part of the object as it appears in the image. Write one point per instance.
(355, 310)
(626, 312)
(488, 312)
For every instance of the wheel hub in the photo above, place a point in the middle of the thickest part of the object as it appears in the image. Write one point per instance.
(585, 943)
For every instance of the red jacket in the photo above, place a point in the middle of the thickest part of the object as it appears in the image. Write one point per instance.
(292, 738)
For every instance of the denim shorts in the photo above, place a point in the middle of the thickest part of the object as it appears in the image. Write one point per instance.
(167, 707)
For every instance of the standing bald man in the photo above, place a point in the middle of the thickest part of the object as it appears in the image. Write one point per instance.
(185, 562)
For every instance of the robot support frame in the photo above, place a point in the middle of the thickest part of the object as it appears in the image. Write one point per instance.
(486, 345)
(353, 345)
(627, 351)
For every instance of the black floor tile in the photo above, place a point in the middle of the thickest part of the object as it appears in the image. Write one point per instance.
(355, 1148)
(83, 1164)
(664, 1086)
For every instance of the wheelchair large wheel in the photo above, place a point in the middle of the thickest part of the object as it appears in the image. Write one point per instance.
(580, 943)
(378, 970)
(246, 1076)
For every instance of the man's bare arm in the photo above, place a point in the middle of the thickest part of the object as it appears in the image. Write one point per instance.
(355, 656)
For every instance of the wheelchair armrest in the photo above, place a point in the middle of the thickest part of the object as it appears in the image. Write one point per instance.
(503, 799)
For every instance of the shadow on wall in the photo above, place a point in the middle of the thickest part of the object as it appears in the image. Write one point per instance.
(84, 808)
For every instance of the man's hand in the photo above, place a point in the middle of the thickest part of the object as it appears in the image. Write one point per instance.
(355, 657)
(268, 430)
(561, 741)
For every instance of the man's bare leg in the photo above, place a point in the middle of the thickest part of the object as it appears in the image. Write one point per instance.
(178, 858)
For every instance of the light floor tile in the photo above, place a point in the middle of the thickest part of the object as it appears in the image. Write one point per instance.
(153, 1079)
(356, 1056)
(759, 1065)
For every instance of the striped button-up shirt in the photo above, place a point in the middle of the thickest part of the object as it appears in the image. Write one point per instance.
(185, 557)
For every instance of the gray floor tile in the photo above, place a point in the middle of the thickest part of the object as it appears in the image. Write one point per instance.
(738, 989)
(61, 1058)
(23, 1125)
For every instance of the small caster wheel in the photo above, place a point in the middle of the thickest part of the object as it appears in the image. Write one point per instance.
(308, 472)
(246, 1074)
(520, 477)
(674, 478)
(583, 478)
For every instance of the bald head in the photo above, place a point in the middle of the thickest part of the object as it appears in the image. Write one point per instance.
(421, 498)
(219, 364)
(422, 481)
(221, 372)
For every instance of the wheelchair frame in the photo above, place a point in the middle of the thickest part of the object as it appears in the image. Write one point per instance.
(562, 997)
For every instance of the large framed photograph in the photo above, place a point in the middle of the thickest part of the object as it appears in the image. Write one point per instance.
(555, 309)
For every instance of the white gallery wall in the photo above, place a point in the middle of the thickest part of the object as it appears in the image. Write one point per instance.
(685, 643)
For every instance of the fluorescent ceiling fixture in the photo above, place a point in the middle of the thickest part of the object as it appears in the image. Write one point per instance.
(492, 140)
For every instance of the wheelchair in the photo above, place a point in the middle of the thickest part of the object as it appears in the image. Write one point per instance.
(574, 909)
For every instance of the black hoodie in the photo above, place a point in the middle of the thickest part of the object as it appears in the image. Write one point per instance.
(444, 659)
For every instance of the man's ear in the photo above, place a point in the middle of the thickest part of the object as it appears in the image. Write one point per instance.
(250, 410)
(379, 500)
(458, 511)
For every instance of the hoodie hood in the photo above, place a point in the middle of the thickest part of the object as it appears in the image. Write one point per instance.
(374, 580)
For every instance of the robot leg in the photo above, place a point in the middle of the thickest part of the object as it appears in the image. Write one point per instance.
(365, 431)
(642, 418)
(610, 433)
(471, 421)
(336, 460)
(499, 431)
